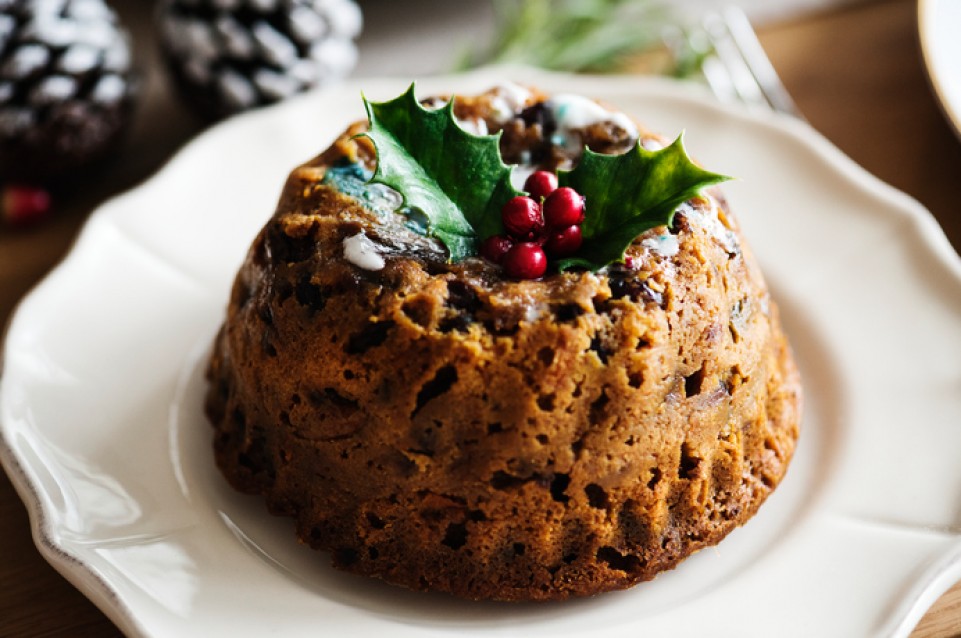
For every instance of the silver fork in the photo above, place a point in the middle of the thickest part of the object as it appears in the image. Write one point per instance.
(734, 63)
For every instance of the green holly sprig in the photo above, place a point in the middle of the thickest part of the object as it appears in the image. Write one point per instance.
(460, 183)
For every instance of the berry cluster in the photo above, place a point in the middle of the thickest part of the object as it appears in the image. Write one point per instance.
(545, 223)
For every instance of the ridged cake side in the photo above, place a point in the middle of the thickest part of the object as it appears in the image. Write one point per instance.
(442, 428)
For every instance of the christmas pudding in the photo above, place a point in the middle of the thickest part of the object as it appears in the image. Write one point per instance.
(509, 347)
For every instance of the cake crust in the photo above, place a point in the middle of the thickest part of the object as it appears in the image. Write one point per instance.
(446, 429)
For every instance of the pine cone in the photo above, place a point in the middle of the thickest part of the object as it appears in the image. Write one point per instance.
(232, 55)
(66, 86)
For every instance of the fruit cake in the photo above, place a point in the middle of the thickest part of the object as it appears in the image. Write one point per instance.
(514, 422)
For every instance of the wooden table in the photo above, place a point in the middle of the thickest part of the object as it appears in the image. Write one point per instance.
(856, 74)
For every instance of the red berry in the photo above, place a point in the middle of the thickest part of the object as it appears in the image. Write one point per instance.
(564, 207)
(564, 242)
(522, 216)
(24, 205)
(495, 247)
(525, 260)
(540, 184)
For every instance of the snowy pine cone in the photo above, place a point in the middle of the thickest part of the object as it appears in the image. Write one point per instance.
(66, 86)
(232, 55)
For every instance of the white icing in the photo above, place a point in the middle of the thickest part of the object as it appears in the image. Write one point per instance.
(652, 144)
(572, 112)
(362, 252)
(392, 199)
(709, 221)
(433, 103)
(476, 125)
(532, 313)
(663, 245)
(509, 99)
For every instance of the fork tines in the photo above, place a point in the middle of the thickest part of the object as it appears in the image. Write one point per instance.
(734, 63)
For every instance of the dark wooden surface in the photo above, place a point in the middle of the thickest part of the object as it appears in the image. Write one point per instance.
(856, 74)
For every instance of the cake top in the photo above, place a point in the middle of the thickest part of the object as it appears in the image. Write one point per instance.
(460, 182)
(359, 229)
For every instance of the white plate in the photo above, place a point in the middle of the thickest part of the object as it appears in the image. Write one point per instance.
(938, 23)
(103, 434)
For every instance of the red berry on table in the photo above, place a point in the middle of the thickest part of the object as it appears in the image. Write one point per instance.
(525, 260)
(495, 247)
(522, 216)
(540, 184)
(24, 205)
(564, 207)
(564, 242)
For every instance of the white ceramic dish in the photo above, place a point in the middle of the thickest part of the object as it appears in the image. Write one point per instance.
(938, 22)
(103, 435)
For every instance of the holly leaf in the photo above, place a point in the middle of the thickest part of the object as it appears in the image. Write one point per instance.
(456, 179)
(628, 194)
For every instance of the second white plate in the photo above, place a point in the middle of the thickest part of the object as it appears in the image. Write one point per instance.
(938, 22)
